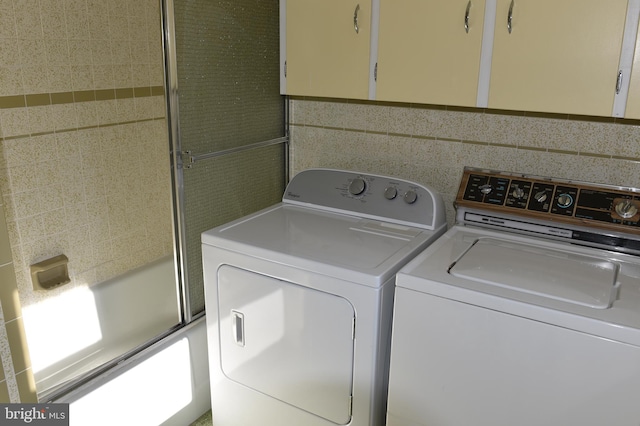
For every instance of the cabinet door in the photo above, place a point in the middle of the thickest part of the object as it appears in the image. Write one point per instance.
(633, 99)
(561, 55)
(326, 57)
(426, 55)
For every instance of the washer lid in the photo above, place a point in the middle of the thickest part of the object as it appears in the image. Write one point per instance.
(564, 276)
(501, 276)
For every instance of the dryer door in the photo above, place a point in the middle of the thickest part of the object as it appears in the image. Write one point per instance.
(287, 341)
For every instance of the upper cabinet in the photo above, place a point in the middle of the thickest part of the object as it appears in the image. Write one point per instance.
(553, 56)
(633, 100)
(327, 45)
(429, 51)
(559, 56)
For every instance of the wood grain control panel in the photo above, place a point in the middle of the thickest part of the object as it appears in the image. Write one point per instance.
(584, 204)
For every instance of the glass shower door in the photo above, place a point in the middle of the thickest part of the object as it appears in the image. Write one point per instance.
(227, 119)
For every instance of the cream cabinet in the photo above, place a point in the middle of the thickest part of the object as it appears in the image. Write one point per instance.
(633, 99)
(552, 56)
(558, 56)
(429, 51)
(327, 48)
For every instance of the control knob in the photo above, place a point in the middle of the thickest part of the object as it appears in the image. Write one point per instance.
(410, 197)
(626, 209)
(390, 192)
(485, 189)
(357, 186)
(517, 192)
(564, 200)
(540, 196)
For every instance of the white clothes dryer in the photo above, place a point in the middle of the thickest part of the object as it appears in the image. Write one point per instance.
(299, 299)
(526, 312)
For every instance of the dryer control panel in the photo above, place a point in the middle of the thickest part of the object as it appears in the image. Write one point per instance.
(549, 199)
(372, 196)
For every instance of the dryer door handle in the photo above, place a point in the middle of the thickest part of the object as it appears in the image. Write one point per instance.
(237, 327)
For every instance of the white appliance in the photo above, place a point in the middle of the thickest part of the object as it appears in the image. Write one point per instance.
(526, 312)
(299, 299)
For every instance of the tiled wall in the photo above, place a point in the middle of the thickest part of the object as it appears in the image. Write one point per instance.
(84, 164)
(432, 144)
(16, 377)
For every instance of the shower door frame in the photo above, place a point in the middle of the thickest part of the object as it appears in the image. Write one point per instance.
(175, 154)
(181, 159)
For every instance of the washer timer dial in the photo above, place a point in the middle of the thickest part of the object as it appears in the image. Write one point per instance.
(626, 208)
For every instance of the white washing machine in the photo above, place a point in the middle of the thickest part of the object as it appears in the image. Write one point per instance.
(526, 312)
(299, 299)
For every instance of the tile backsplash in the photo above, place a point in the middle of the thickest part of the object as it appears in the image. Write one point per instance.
(431, 144)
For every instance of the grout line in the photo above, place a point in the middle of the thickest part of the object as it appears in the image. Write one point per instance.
(76, 129)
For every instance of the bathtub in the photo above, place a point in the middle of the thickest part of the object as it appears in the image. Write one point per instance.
(80, 329)
(166, 384)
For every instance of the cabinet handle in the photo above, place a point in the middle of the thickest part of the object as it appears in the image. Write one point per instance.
(466, 17)
(510, 18)
(619, 82)
(355, 19)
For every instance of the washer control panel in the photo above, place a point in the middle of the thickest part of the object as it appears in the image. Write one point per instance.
(557, 200)
(372, 196)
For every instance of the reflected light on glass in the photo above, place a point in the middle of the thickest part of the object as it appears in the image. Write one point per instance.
(148, 394)
(61, 326)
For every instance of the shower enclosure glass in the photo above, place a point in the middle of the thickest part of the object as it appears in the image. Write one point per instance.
(84, 173)
(219, 153)
(227, 120)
